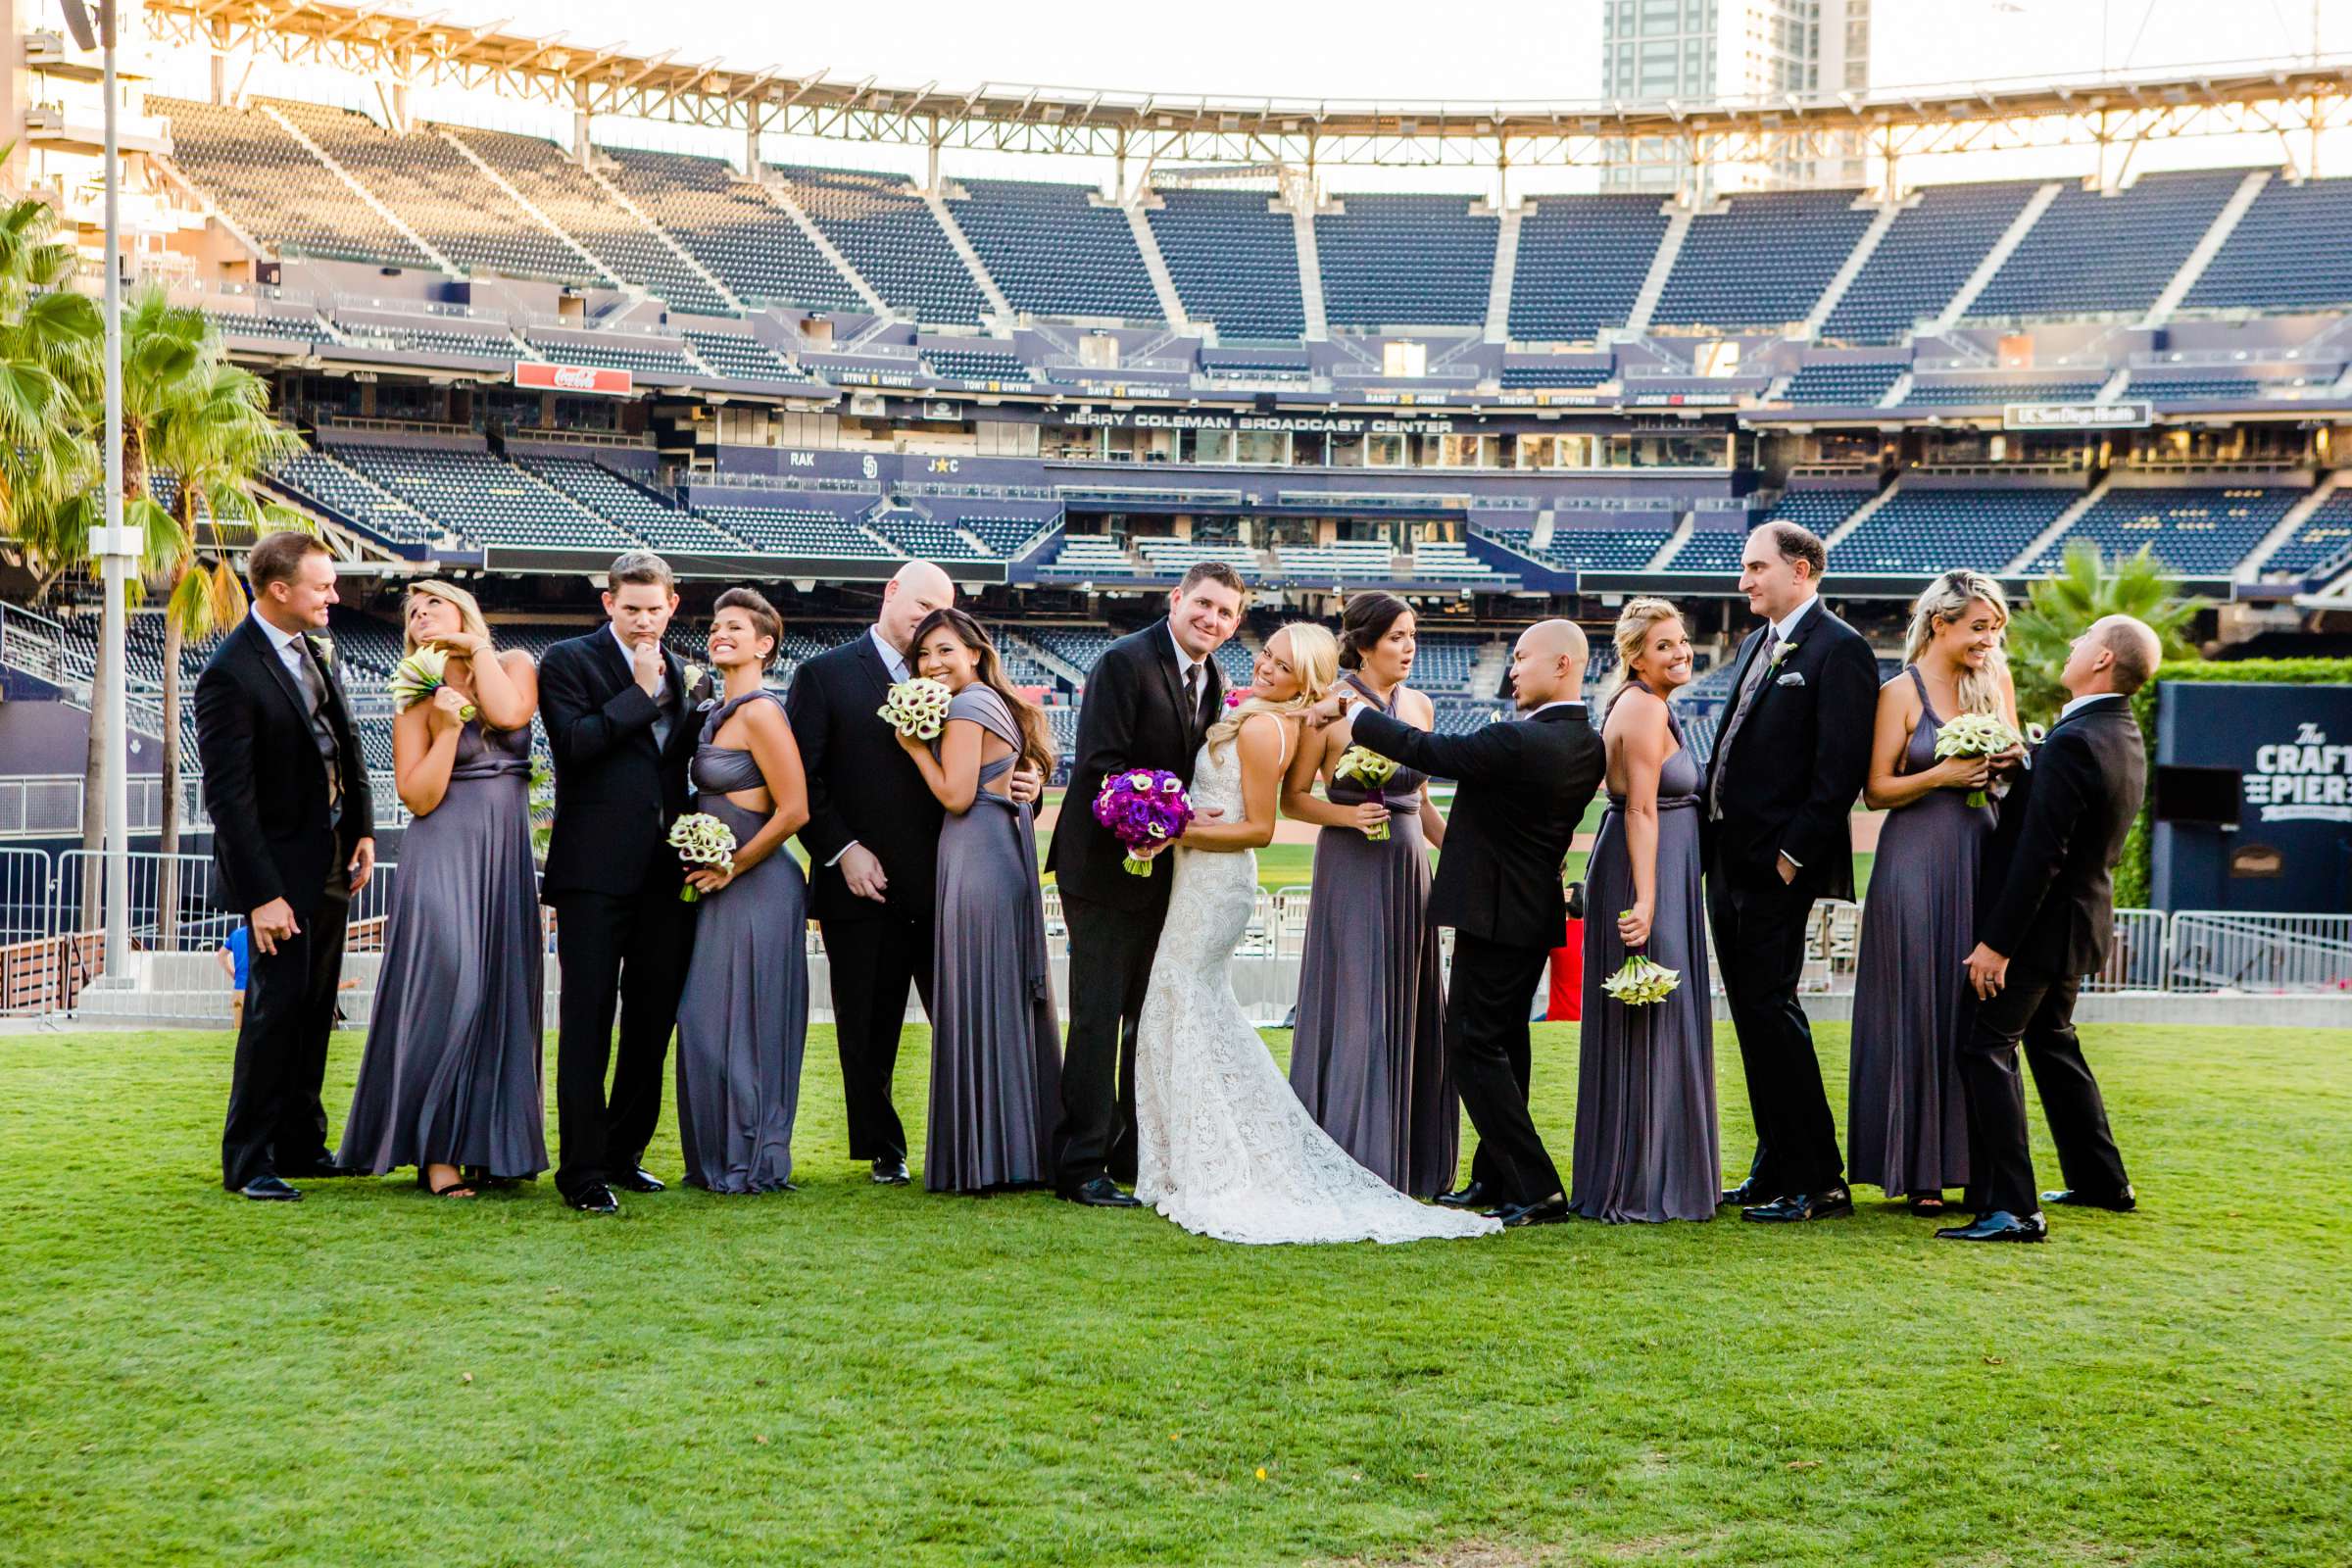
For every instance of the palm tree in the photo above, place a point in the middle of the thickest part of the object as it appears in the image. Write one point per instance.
(2061, 606)
(216, 440)
(51, 343)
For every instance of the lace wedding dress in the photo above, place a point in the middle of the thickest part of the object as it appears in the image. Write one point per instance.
(1226, 1149)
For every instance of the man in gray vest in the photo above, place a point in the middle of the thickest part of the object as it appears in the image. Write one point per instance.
(293, 839)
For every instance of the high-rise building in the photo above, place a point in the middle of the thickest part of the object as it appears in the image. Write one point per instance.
(1702, 51)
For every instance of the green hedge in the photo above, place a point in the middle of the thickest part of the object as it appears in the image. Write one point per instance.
(2132, 875)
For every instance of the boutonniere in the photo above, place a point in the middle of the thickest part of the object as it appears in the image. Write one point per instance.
(692, 674)
(1780, 651)
(321, 645)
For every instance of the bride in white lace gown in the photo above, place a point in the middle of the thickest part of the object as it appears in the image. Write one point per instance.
(1225, 1147)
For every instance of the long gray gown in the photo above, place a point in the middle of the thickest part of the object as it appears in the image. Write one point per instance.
(1906, 1120)
(996, 1045)
(743, 1015)
(1368, 1051)
(451, 1070)
(1645, 1140)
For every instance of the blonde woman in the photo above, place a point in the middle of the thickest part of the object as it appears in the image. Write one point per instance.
(450, 1080)
(1645, 1140)
(1368, 1054)
(1225, 1147)
(1906, 1123)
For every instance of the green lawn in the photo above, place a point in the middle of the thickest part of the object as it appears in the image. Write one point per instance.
(850, 1375)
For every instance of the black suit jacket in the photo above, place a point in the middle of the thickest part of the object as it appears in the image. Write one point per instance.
(862, 787)
(617, 792)
(274, 832)
(2046, 900)
(1791, 782)
(1521, 790)
(1133, 716)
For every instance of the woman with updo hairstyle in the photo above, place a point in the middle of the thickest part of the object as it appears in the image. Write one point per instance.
(1646, 1147)
(450, 1080)
(742, 1018)
(1368, 1054)
(1906, 1121)
(996, 1043)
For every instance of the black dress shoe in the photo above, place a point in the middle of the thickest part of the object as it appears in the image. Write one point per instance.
(2122, 1203)
(1469, 1196)
(1548, 1211)
(1744, 1196)
(890, 1171)
(637, 1179)
(595, 1199)
(1998, 1226)
(1101, 1192)
(1798, 1207)
(268, 1189)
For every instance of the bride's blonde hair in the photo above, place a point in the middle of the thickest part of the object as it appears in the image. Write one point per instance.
(1314, 654)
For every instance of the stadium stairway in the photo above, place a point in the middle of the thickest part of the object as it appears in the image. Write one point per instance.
(2225, 222)
(2003, 249)
(781, 194)
(1311, 274)
(1504, 276)
(1156, 265)
(1860, 515)
(2058, 527)
(1857, 259)
(369, 197)
(2250, 570)
(589, 259)
(1654, 285)
(961, 243)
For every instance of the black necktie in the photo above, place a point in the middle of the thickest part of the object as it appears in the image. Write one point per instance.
(1192, 694)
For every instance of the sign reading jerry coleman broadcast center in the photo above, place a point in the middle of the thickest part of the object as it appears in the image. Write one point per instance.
(2291, 749)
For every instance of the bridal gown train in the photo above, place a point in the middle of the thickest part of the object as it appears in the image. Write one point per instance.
(1227, 1150)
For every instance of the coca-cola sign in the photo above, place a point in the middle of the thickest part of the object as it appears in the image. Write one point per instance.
(574, 378)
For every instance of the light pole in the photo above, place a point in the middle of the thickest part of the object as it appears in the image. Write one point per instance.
(113, 546)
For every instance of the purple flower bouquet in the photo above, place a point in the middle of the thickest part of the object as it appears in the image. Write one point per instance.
(1143, 806)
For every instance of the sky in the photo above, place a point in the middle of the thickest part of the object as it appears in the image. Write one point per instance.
(1382, 49)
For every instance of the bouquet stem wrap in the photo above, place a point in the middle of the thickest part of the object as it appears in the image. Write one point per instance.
(701, 839)
(419, 675)
(1360, 764)
(1143, 806)
(1975, 735)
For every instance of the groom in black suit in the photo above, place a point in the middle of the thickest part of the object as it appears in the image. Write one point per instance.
(874, 850)
(1521, 789)
(1150, 700)
(294, 839)
(1788, 763)
(2049, 914)
(622, 725)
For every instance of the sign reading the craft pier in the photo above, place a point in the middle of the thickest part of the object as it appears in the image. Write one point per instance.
(2291, 748)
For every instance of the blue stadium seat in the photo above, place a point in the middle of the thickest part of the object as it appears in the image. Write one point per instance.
(2206, 530)
(885, 229)
(1055, 251)
(1845, 382)
(1394, 260)
(794, 530)
(978, 365)
(481, 498)
(1582, 262)
(2094, 255)
(1989, 393)
(733, 229)
(1763, 261)
(1925, 254)
(2292, 251)
(1233, 262)
(1528, 376)
(1939, 529)
(2324, 535)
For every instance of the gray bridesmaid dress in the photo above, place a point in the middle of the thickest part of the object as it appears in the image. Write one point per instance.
(451, 1070)
(1368, 1049)
(1906, 1123)
(996, 1045)
(743, 1018)
(1645, 1140)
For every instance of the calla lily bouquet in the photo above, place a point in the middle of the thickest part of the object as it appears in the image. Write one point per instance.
(1143, 806)
(918, 708)
(419, 675)
(1642, 981)
(1360, 764)
(701, 839)
(1976, 735)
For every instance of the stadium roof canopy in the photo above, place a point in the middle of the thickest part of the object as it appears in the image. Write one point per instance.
(2232, 98)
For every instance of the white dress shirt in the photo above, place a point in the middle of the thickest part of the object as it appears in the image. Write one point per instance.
(1783, 630)
(287, 651)
(892, 660)
(2068, 711)
(1184, 665)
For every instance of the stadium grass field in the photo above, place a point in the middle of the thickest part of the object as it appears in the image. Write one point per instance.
(853, 1375)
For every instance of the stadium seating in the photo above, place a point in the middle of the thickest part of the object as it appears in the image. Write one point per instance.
(436, 190)
(733, 229)
(1004, 536)
(921, 537)
(577, 203)
(1257, 365)
(742, 359)
(1844, 382)
(615, 500)
(437, 340)
(1077, 646)
(1443, 661)
(1555, 378)
(882, 226)
(273, 188)
(1423, 259)
(1985, 392)
(1448, 560)
(481, 498)
(1351, 557)
(1586, 546)
(1174, 556)
(1712, 549)
(1461, 717)
(2324, 535)
(1055, 251)
(2094, 255)
(2292, 251)
(2192, 385)
(977, 364)
(1763, 261)
(1939, 529)
(317, 477)
(1232, 261)
(1925, 254)
(305, 328)
(2206, 530)
(794, 530)
(614, 352)
(1089, 554)
(1582, 263)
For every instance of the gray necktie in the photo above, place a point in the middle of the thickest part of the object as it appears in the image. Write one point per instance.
(667, 704)
(313, 687)
(1192, 693)
(1751, 684)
